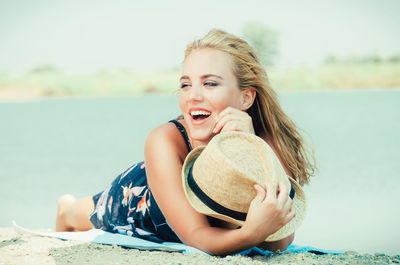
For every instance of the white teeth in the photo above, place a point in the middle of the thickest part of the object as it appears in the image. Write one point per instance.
(200, 112)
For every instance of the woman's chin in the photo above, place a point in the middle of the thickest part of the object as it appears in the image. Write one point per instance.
(202, 137)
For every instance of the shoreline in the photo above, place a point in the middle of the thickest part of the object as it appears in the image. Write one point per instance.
(36, 97)
(325, 77)
(29, 249)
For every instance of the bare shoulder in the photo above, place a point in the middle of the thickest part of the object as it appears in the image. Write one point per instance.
(166, 139)
(164, 151)
(166, 129)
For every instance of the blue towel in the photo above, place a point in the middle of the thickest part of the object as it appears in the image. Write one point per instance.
(127, 241)
(291, 249)
(102, 237)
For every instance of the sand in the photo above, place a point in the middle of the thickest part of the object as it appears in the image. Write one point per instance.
(28, 249)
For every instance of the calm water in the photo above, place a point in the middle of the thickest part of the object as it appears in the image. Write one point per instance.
(56, 146)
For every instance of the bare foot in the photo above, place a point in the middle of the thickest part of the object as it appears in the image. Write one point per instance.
(64, 202)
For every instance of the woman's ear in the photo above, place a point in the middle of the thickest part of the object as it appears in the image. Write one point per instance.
(248, 96)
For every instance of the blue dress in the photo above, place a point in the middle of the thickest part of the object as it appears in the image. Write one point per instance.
(128, 207)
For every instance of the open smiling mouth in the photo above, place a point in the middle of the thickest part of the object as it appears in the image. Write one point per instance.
(199, 115)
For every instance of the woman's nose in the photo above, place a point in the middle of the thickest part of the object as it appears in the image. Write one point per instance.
(196, 93)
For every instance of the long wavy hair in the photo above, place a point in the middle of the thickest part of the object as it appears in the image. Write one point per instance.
(266, 112)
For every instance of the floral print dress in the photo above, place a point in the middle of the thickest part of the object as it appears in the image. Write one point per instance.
(128, 207)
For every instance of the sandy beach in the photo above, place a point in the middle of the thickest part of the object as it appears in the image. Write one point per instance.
(28, 249)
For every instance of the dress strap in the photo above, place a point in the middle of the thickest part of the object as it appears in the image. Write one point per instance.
(183, 133)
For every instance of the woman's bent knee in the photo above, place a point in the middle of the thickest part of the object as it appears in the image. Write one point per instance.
(64, 202)
(74, 215)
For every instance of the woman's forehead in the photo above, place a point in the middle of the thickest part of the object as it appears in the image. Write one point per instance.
(207, 61)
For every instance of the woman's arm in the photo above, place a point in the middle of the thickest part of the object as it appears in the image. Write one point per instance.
(164, 159)
(279, 245)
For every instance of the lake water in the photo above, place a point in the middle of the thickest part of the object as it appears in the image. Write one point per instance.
(55, 146)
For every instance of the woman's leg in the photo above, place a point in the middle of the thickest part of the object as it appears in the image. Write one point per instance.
(73, 214)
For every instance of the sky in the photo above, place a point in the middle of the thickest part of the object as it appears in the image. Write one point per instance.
(146, 36)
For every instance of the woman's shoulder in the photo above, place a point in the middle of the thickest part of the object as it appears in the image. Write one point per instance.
(166, 138)
(166, 132)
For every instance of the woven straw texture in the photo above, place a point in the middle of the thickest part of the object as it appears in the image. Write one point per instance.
(227, 169)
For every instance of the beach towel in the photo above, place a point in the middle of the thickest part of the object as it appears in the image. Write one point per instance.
(103, 237)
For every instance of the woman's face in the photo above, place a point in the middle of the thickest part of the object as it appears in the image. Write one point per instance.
(208, 86)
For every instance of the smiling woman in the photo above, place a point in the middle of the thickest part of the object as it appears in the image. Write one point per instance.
(209, 86)
(224, 89)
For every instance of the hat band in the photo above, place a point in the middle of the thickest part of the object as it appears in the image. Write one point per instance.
(213, 205)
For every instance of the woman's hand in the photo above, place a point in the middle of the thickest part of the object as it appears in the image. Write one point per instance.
(231, 119)
(269, 211)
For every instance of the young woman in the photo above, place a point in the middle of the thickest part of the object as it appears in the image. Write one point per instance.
(223, 88)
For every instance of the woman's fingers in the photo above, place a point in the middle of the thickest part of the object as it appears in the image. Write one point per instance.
(222, 123)
(269, 211)
(289, 203)
(231, 119)
(227, 111)
(278, 198)
(290, 215)
(271, 190)
(260, 194)
(283, 194)
(286, 203)
(222, 118)
(287, 208)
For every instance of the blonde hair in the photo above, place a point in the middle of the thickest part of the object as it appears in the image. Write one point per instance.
(266, 112)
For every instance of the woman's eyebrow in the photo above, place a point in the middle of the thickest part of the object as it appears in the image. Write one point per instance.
(202, 77)
(184, 77)
(211, 75)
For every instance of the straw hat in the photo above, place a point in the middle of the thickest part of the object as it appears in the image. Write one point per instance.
(219, 179)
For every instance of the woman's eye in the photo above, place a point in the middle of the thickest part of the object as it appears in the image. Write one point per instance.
(184, 85)
(209, 83)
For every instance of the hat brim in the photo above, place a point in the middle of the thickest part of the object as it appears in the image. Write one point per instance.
(299, 201)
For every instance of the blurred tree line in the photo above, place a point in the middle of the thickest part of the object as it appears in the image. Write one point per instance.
(44, 68)
(264, 40)
(374, 58)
